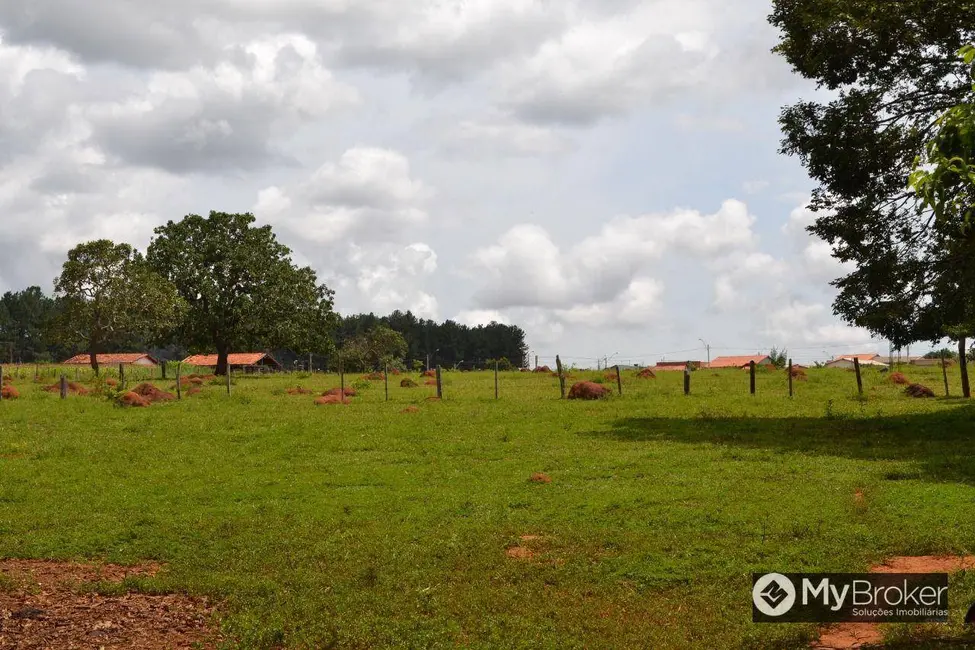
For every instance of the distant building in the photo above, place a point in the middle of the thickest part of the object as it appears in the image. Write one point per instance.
(240, 362)
(846, 361)
(125, 359)
(741, 362)
(921, 361)
(676, 366)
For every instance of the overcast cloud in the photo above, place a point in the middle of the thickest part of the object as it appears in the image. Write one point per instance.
(603, 173)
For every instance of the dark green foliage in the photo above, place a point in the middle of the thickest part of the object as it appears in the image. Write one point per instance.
(458, 345)
(894, 70)
(108, 292)
(244, 292)
(25, 320)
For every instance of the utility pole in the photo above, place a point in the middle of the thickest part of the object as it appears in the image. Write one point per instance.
(708, 348)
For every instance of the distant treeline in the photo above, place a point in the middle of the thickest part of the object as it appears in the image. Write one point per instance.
(27, 335)
(448, 344)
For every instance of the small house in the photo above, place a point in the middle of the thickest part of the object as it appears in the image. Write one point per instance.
(125, 359)
(740, 362)
(848, 361)
(676, 366)
(237, 362)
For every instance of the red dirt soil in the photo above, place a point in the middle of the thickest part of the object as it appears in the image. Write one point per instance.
(430, 382)
(375, 376)
(135, 400)
(326, 400)
(429, 373)
(394, 371)
(917, 390)
(845, 636)
(538, 477)
(542, 369)
(900, 379)
(411, 409)
(73, 388)
(408, 383)
(434, 398)
(152, 394)
(587, 390)
(519, 553)
(44, 610)
(646, 373)
(196, 390)
(299, 391)
(111, 382)
(799, 374)
(9, 392)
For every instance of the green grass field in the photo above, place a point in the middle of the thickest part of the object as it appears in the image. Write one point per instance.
(363, 527)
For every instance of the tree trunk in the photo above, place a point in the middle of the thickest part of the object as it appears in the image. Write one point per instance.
(93, 358)
(963, 366)
(222, 354)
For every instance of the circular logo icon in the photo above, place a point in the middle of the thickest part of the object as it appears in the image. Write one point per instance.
(774, 594)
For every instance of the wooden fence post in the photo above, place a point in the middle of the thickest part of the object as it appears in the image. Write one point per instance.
(121, 375)
(228, 379)
(751, 374)
(558, 364)
(164, 364)
(790, 377)
(856, 367)
(495, 380)
(944, 372)
(687, 378)
(439, 384)
(309, 362)
(619, 380)
(385, 379)
(179, 383)
(64, 387)
(1, 382)
(342, 378)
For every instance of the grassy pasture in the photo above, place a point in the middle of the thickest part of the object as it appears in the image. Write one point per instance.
(361, 526)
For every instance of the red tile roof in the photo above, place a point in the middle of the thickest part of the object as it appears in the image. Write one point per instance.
(737, 362)
(238, 359)
(109, 359)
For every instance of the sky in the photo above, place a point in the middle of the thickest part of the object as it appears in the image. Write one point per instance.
(603, 173)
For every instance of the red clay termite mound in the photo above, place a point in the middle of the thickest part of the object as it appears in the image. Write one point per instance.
(588, 390)
(73, 388)
(337, 392)
(111, 382)
(542, 369)
(375, 376)
(134, 399)
(408, 383)
(298, 391)
(411, 409)
(9, 392)
(646, 373)
(326, 400)
(430, 382)
(429, 373)
(917, 390)
(899, 379)
(196, 390)
(395, 371)
(152, 394)
(799, 373)
(538, 477)
(7, 379)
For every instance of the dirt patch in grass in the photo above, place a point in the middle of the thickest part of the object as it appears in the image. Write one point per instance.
(538, 477)
(9, 392)
(74, 388)
(337, 392)
(152, 394)
(326, 400)
(859, 635)
(520, 553)
(411, 409)
(917, 390)
(135, 400)
(587, 390)
(46, 609)
(299, 391)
